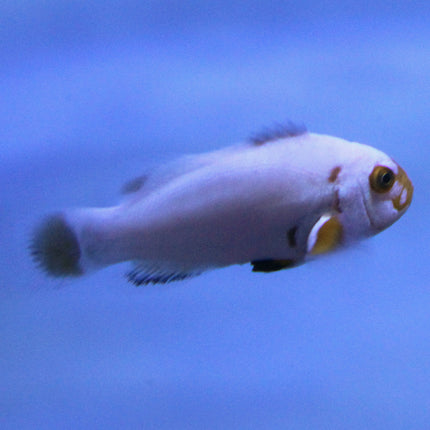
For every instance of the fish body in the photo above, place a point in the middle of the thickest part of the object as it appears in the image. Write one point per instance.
(272, 202)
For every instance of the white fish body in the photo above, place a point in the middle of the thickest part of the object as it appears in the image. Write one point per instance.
(270, 203)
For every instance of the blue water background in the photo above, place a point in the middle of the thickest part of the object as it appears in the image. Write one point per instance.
(92, 94)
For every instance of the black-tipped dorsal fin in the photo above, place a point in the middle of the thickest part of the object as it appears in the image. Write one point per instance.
(144, 273)
(278, 131)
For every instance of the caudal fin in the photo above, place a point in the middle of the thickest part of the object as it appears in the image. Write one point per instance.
(55, 248)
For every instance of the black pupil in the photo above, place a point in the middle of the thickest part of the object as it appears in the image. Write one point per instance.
(386, 178)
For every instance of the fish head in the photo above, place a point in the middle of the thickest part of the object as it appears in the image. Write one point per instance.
(386, 192)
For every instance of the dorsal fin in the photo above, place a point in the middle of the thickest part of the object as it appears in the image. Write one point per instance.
(278, 131)
(134, 185)
(162, 175)
(165, 173)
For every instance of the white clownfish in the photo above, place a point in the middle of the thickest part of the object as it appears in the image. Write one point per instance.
(274, 202)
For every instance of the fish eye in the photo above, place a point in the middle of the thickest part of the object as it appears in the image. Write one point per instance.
(381, 179)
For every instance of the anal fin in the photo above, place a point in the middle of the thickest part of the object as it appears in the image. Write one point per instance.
(144, 273)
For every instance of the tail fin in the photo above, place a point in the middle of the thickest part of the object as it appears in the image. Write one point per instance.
(55, 248)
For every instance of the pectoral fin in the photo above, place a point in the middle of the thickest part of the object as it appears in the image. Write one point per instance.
(325, 236)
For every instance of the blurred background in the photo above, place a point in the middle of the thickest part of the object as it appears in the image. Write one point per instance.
(91, 94)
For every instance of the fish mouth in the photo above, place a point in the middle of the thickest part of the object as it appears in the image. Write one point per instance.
(404, 198)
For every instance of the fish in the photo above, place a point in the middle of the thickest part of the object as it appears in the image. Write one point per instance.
(276, 201)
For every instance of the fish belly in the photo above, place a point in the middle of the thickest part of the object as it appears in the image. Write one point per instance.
(214, 219)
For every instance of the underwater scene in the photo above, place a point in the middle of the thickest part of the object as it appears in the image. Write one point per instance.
(96, 94)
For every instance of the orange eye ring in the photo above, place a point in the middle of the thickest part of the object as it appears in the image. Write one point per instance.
(381, 179)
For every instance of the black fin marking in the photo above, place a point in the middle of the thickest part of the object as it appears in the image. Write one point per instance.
(134, 185)
(271, 265)
(278, 131)
(292, 237)
(144, 274)
(55, 248)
